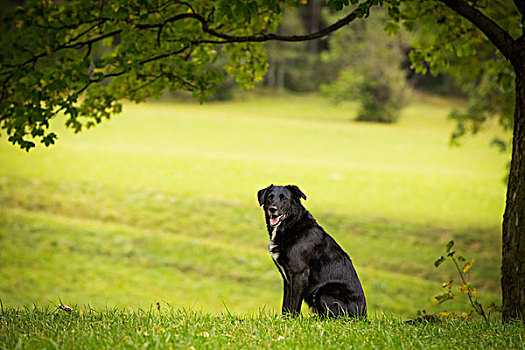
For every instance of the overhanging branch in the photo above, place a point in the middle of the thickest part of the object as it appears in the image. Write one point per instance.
(227, 38)
(497, 35)
(278, 37)
(224, 37)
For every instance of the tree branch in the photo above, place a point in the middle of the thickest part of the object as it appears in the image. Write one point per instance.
(273, 36)
(70, 26)
(497, 35)
(227, 38)
(116, 74)
(87, 30)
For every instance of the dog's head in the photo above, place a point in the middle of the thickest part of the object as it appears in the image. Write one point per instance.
(280, 202)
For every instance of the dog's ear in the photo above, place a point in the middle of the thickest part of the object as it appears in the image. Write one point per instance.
(296, 192)
(261, 195)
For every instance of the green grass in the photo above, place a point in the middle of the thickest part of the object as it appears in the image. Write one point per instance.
(165, 327)
(159, 204)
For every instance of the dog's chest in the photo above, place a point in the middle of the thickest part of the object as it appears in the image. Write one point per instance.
(275, 252)
(272, 247)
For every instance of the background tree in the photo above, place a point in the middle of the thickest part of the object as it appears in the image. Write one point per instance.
(299, 67)
(370, 69)
(52, 61)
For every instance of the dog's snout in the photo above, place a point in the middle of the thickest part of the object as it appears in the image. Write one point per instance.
(272, 209)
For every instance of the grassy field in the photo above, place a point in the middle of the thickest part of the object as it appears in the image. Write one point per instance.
(159, 205)
(166, 328)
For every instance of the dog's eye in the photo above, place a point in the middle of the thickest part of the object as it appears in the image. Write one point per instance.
(270, 197)
(282, 197)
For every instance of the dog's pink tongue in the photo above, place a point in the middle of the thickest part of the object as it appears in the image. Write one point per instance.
(273, 221)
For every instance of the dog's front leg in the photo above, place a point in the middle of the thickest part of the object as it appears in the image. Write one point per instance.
(295, 293)
(286, 297)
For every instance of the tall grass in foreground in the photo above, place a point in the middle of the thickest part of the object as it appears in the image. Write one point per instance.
(165, 327)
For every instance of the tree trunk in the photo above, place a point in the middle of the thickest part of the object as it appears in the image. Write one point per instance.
(314, 24)
(270, 73)
(513, 238)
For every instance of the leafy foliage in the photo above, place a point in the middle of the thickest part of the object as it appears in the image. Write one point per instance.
(81, 58)
(465, 288)
(445, 42)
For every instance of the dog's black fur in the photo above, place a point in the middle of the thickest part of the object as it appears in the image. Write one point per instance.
(313, 266)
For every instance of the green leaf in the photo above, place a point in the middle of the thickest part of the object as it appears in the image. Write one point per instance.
(338, 5)
(439, 261)
(49, 139)
(449, 246)
(99, 63)
(392, 28)
(441, 298)
(117, 108)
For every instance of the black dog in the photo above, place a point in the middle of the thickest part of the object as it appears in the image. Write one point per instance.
(313, 266)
